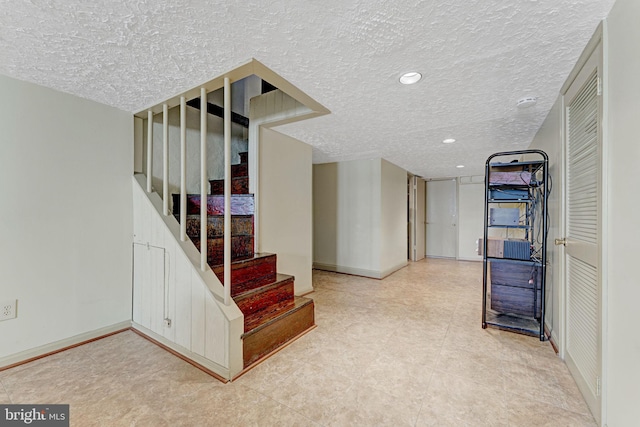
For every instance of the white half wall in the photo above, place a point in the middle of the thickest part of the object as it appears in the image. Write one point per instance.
(285, 216)
(622, 112)
(348, 230)
(470, 216)
(66, 225)
(393, 218)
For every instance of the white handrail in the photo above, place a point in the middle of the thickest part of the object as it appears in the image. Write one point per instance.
(165, 159)
(183, 169)
(227, 191)
(149, 149)
(204, 184)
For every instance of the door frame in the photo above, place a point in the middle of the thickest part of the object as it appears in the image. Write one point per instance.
(596, 42)
(417, 217)
(456, 225)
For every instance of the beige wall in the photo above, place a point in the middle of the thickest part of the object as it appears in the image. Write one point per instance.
(622, 139)
(285, 215)
(353, 231)
(66, 223)
(549, 139)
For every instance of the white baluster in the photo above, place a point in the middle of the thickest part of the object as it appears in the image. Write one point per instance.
(165, 159)
(149, 149)
(227, 191)
(204, 184)
(183, 169)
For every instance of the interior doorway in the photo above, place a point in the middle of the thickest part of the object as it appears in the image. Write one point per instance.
(442, 218)
(417, 218)
(583, 308)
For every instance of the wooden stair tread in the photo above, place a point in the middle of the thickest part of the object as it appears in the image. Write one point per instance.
(241, 204)
(256, 322)
(241, 225)
(280, 278)
(250, 273)
(266, 296)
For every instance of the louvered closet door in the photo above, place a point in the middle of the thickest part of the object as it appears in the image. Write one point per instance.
(583, 230)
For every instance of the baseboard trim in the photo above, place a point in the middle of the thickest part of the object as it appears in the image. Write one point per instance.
(27, 356)
(205, 365)
(552, 339)
(374, 274)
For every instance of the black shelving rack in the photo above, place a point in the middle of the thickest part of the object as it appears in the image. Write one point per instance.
(514, 269)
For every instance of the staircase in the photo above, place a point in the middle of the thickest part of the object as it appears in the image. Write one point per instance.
(273, 315)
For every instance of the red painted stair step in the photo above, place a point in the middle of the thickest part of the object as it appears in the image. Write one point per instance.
(266, 297)
(241, 248)
(239, 185)
(250, 273)
(280, 326)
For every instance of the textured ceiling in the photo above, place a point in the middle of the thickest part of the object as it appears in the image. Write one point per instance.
(478, 57)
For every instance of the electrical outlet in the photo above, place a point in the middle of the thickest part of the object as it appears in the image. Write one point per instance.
(8, 309)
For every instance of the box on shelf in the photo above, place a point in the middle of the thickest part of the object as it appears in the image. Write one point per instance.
(495, 247)
(510, 178)
(504, 216)
(508, 194)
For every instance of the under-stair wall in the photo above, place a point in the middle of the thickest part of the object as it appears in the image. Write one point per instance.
(175, 302)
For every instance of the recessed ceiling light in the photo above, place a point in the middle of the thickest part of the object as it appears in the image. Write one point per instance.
(460, 166)
(448, 141)
(410, 78)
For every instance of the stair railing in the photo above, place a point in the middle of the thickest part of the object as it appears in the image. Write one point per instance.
(204, 182)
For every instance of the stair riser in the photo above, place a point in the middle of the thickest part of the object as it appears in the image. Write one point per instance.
(240, 226)
(240, 170)
(238, 186)
(250, 275)
(241, 248)
(268, 339)
(272, 296)
(240, 205)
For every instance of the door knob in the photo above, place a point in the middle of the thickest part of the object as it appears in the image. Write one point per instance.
(562, 242)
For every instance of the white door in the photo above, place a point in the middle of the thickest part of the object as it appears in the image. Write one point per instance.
(442, 218)
(583, 225)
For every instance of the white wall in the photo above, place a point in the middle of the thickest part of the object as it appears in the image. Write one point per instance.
(65, 225)
(470, 216)
(285, 216)
(348, 234)
(549, 139)
(622, 88)
(393, 218)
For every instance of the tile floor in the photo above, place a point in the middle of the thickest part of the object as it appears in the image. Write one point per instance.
(407, 350)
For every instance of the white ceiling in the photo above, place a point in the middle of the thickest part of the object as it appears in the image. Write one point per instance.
(478, 57)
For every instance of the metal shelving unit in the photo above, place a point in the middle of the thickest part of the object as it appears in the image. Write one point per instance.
(514, 268)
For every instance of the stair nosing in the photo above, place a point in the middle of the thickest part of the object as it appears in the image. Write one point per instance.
(279, 317)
